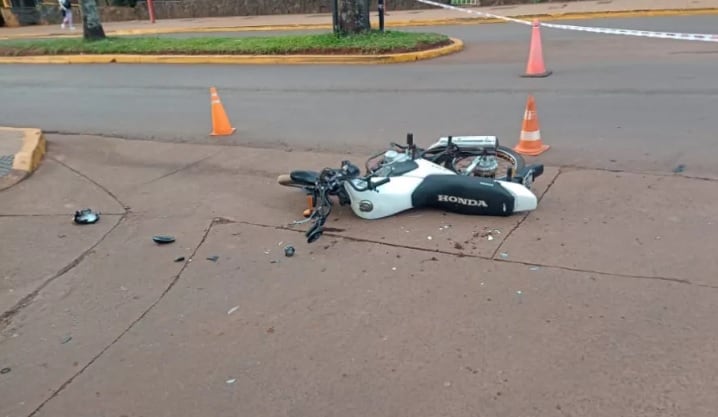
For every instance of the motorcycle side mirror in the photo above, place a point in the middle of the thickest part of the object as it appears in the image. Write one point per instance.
(451, 146)
(410, 145)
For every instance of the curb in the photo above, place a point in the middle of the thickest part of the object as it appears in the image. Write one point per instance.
(547, 17)
(27, 159)
(456, 46)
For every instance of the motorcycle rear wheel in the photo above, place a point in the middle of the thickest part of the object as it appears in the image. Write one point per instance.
(503, 153)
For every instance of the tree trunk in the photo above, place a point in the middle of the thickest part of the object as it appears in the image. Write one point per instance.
(354, 16)
(92, 29)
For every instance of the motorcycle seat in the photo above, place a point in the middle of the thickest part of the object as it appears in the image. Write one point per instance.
(304, 177)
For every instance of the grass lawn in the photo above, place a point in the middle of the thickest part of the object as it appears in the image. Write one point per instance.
(371, 43)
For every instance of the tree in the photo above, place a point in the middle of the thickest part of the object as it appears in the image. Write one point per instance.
(92, 29)
(353, 17)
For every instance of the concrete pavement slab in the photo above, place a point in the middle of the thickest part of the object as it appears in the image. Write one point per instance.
(37, 249)
(345, 327)
(125, 165)
(77, 316)
(622, 223)
(369, 330)
(56, 190)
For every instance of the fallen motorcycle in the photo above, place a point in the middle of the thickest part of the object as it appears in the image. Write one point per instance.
(407, 177)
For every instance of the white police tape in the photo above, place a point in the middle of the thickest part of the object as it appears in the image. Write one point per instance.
(610, 31)
(495, 16)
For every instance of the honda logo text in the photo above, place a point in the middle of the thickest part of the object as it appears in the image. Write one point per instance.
(462, 201)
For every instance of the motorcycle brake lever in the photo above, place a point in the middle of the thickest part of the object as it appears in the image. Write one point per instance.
(316, 231)
(314, 236)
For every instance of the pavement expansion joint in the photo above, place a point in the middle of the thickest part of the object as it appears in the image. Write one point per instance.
(182, 168)
(526, 215)
(486, 258)
(7, 316)
(133, 324)
(98, 185)
(565, 168)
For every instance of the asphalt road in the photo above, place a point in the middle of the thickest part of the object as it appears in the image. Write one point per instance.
(612, 102)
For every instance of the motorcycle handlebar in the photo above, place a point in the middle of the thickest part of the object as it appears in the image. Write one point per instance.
(381, 182)
(338, 175)
(324, 205)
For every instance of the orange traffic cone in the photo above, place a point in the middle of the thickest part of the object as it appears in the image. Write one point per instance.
(535, 67)
(220, 122)
(530, 140)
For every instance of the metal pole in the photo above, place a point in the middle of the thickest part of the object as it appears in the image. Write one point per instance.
(335, 16)
(380, 6)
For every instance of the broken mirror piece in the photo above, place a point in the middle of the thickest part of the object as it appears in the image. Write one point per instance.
(86, 216)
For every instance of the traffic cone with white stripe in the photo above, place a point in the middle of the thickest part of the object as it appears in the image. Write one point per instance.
(220, 121)
(530, 139)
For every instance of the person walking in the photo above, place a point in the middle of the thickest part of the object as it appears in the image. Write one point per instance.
(66, 8)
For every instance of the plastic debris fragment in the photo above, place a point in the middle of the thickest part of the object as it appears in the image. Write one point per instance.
(163, 239)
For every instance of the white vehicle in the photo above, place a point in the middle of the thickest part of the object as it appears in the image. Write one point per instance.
(405, 177)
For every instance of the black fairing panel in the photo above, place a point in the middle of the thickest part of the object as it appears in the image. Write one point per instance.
(464, 195)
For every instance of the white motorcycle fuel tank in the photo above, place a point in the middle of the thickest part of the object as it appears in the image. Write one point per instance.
(396, 195)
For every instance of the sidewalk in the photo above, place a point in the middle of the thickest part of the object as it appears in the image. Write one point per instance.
(429, 16)
(421, 313)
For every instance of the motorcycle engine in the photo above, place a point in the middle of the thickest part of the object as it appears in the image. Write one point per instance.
(390, 157)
